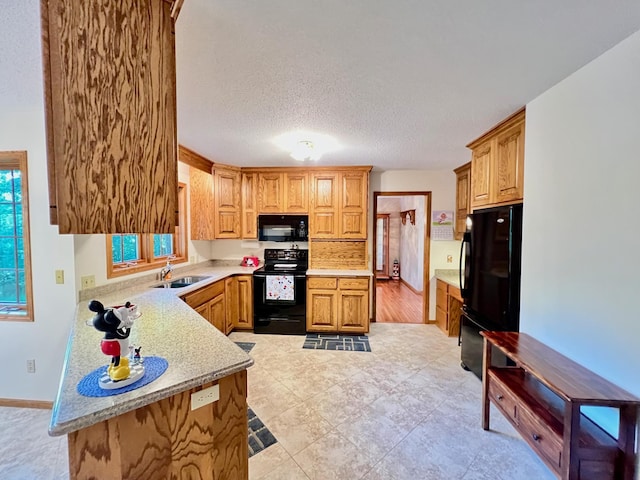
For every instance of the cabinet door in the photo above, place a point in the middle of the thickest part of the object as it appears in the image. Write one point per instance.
(231, 303)
(110, 122)
(249, 205)
(227, 204)
(296, 193)
(509, 165)
(322, 310)
(270, 195)
(245, 302)
(442, 306)
(481, 174)
(353, 205)
(323, 221)
(201, 204)
(204, 311)
(463, 186)
(217, 312)
(353, 311)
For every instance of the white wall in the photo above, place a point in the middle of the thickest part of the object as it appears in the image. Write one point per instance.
(580, 265)
(442, 185)
(22, 128)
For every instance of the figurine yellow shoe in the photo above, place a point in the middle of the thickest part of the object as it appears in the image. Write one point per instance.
(121, 372)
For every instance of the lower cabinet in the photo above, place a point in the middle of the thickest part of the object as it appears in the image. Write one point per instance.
(231, 300)
(338, 304)
(448, 308)
(226, 304)
(244, 318)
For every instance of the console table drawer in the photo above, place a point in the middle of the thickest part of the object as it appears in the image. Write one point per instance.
(541, 438)
(501, 397)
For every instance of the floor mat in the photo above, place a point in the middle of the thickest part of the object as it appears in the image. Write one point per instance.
(259, 436)
(352, 343)
(246, 346)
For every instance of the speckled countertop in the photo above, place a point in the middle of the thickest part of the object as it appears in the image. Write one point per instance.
(340, 273)
(196, 351)
(449, 276)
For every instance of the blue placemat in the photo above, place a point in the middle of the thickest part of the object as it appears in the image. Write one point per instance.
(153, 368)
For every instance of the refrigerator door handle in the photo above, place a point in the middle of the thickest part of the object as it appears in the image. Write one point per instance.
(466, 240)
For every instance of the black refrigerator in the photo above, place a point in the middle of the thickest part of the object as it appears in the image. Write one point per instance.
(490, 279)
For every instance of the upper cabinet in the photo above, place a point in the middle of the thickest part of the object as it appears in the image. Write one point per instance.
(201, 194)
(283, 191)
(339, 203)
(227, 186)
(110, 115)
(249, 205)
(497, 164)
(463, 198)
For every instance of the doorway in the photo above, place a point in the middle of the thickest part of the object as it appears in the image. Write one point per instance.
(401, 256)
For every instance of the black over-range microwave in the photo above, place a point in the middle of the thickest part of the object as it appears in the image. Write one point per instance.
(283, 228)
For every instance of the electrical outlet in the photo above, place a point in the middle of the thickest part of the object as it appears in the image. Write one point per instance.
(449, 259)
(88, 281)
(59, 277)
(193, 259)
(31, 366)
(205, 397)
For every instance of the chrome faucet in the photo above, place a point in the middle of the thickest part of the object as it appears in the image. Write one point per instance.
(166, 270)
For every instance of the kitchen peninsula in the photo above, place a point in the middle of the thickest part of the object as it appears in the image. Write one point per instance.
(152, 432)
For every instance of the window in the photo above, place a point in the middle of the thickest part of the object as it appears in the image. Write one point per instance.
(16, 301)
(132, 252)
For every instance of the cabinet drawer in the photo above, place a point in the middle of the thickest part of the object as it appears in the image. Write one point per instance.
(501, 397)
(353, 283)
(322, 282)
(540, 437)
(197, 298)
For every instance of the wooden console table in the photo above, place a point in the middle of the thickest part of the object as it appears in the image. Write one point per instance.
(541, 396)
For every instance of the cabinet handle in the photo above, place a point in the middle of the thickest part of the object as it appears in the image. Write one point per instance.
(500, 397)
(536, 437)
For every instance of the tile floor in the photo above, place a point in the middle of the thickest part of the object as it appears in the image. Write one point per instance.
(404, 411)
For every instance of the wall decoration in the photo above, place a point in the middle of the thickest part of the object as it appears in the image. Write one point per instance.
(442, 225)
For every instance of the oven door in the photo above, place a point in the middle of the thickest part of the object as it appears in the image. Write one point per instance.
(279, 303)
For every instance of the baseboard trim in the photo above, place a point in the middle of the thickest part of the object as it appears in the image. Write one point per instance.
(15, 402)
(431, 322)
(417, 292)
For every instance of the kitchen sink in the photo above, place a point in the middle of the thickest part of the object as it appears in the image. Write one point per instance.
(181, 282)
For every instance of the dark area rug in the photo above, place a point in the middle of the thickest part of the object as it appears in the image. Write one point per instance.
(246, 346)
(259, 436)
(350, 343)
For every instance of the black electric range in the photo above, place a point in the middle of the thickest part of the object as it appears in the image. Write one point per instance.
(280, 292)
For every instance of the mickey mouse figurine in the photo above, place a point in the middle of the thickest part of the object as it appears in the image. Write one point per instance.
(116, 323)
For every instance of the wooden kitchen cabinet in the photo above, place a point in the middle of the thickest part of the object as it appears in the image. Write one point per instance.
(448, 308)
(338, 304)
(497, 164)
(201, 202)
(463, 198)
(231, 298)
(249, 205)
(209, 301)
(339, 203)
(227, 194)
(542, 394)
(110, 106)
(244, 319)
(283, 191)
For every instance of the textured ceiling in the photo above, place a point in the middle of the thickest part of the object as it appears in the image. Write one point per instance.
(400, 84)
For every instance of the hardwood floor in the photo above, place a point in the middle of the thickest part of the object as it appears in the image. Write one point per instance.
(396, 303)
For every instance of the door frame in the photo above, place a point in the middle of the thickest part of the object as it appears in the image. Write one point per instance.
(426, 287)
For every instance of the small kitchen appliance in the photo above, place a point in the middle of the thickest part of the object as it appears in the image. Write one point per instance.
(250, 261)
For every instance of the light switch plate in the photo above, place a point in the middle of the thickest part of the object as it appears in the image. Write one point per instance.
(205, 397)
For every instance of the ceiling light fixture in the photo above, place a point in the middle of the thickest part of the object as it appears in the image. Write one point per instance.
(304, 150)
(304, 145)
